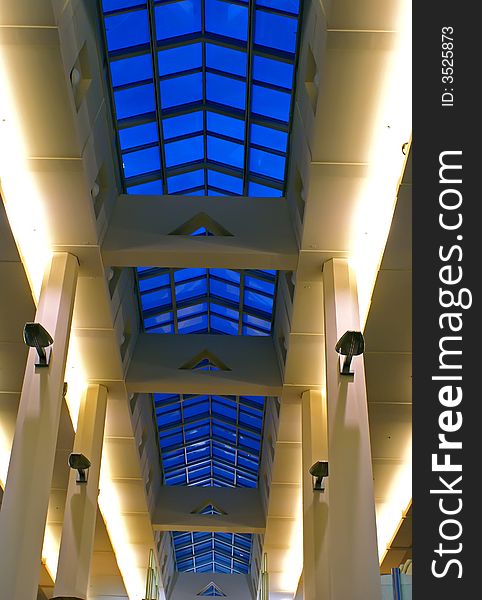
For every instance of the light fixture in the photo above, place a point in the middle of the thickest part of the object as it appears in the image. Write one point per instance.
(319, 470)
(349, 345)
(82, 464)
(39, 338)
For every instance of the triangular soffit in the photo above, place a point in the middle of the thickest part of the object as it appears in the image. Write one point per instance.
(201, 225)
(205, 361)
(209, 509)
(211, 590)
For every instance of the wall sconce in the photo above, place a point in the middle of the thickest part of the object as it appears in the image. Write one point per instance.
(349, 345)
(35, 336)
(81, 463)
(318, 471)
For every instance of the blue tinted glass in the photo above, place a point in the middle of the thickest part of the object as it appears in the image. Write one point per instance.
(291, 6)
(141, 161)
(224, 125)
(223, 325)
(275, 31)
(224, 290)
(130, 70)
(151, 187)
(267, 164)
(271, 138)
(135, 101)
(184, 151)
(224, 311)
(185, 274)
(226, 152)
(271, 71)
(227, 19)
(226, 182)
(271, 103)
(227, 274)
(127, 30)
(154, 282)
(110, 5)
(185, 181)
(224, 90)
(138, 136)
(226, 59)
(183, 124)
(216, 193)
(178, 18)
(181, 58)
(263, 191)
(191, 289)
(181, 90)
(259, 284)
(259, 301)
(158, 298)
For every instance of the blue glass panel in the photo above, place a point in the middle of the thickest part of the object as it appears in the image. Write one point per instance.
(178, 18)
(216, 193)
(130, 70)
(226, 152)
(227, 19)
(267, 164)
(138, 136)
(181, 58)
(227, 274)
(275, 31)
(151, 187)
(185, 181)
(182, 125)
(263, 191)
(259, 284)
(271, 138)
(141, 161)
(290, 6)
(185, 274)
(224, 125)
(224, 90)
(164, 319)
(191, 289)
(223, 325)
(156, 299)
(229, 313)
(272, 71)
(127, 30)
(135, 101)
(226, 59)
(260, 324)
(181, 90)
(184, 151)
(271, 103)
(154, 282)
(110, 5)
(190, 311)
(258, 301)
(226, 182)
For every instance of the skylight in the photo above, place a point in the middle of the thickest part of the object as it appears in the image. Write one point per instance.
(220, 301)
(202, 93)
(210, 441)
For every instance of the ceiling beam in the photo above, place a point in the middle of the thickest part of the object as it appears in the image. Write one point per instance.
(176, 509)
(140, 233)
(157, 362)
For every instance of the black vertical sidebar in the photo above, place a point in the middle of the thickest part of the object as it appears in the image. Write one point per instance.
(447, 319)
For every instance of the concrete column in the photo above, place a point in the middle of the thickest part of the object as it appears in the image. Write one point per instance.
(25, 501)
(316, 581)
(78, 530)
(352, 540)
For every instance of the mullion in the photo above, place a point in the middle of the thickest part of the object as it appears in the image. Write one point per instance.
(173, 300)
(157, 92)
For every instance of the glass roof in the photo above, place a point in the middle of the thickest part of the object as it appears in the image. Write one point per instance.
(202, 93)
(210, 441)
(220, 301)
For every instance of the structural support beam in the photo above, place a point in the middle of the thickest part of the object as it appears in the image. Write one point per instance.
(316, 579)
(78, 530)
(177, 509)
(159, 365)
(25, 501)
(352, 540)
(148, 230)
